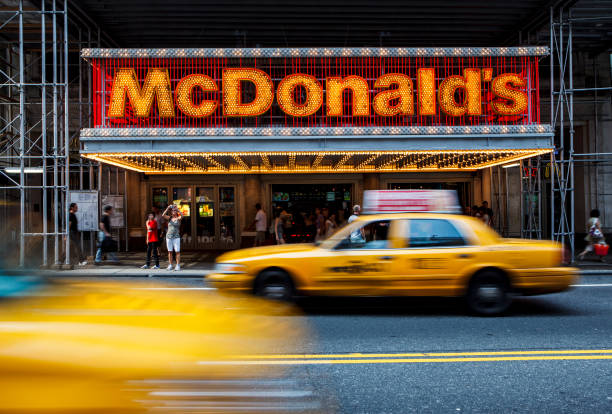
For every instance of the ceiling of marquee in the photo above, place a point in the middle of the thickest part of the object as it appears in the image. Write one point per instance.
(312, 162)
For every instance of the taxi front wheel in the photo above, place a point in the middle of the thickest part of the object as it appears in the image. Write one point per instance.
(489, 293)
(274, 284)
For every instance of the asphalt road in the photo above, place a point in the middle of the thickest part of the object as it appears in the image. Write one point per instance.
(548, 354)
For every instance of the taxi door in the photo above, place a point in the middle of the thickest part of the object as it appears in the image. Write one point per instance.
(359, 264)
(434, 257)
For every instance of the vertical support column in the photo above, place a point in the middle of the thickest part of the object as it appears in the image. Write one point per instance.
(22, 97)
(66, 136)
(553, 167)
(522, 198)
(571, 229)
(43, 94)
(125, 218)
(55, 136)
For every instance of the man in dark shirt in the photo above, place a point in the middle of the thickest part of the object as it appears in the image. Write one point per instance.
(105, 233)
(73, 231)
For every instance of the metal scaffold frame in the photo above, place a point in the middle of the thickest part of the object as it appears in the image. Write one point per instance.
(562, 220)
(39, 147)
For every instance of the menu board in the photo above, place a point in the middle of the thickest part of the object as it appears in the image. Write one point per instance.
(118, 216)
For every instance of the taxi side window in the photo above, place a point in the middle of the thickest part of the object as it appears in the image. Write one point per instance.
(433, 233)
(373, 235)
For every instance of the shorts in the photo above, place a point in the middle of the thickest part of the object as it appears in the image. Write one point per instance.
(173, 244)
(260, 236)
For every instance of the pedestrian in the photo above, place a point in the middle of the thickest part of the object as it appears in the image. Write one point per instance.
(486, 212)
(105, 238)
(278, 228)
(260, 225)
(357, 235)
(594, 234)
(173, 235)
(152, 241)
(159, 220)
(330, 226)
(320, 223)
(476, 212)
(74, 234)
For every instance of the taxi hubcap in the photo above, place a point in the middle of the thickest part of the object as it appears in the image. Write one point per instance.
(274, 291)
(489, 293)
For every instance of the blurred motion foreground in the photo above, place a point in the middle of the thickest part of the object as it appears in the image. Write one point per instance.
(110, 347)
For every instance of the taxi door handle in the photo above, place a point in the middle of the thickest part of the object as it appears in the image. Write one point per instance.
(465, 256)
(386, 258)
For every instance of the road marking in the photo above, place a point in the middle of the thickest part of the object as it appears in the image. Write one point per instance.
(417, 357)
(407, 360)
(593, 285)
(426, 354)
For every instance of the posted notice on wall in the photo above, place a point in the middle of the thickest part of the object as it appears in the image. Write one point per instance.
(118, 216)
(88, 215)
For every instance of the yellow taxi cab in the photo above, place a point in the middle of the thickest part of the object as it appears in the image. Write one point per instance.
(407, 254)
(107, 347)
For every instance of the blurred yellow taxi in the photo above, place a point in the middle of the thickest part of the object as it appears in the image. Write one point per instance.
(81, 347)
(408, 254)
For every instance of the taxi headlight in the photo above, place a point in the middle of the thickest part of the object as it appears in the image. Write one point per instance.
(229, 268)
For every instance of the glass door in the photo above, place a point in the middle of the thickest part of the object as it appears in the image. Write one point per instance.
(227, 218)
(206, 212)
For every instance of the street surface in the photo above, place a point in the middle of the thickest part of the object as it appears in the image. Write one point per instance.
(550, 353)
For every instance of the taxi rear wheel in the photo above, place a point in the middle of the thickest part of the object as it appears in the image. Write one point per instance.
(274, 284)
(489, 293)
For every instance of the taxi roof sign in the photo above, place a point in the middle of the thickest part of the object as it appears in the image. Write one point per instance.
(410, 201)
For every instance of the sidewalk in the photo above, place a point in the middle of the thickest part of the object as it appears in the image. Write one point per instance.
(193, 264)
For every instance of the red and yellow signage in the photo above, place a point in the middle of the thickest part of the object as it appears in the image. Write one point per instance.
(318, 91)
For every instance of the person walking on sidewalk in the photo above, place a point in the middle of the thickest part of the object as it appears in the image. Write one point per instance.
(594, 234)
(173, 236)
(75, 235)
(105, 238)
(261, 222)
(152, 242)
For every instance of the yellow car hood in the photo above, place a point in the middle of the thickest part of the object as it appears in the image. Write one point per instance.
(264, 251)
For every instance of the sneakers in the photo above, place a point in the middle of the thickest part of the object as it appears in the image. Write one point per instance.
(83, 263)
(145, 267)
(155, 267)
(169, 267)
(177, 268)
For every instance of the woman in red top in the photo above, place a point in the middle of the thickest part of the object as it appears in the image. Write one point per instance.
(152, 241)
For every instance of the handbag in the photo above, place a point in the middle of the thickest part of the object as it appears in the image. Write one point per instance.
(109, 245)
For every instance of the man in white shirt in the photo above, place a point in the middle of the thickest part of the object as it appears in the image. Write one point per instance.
(356, 236)
(260, 225)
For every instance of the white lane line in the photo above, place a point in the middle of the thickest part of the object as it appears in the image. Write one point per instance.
(593, 285)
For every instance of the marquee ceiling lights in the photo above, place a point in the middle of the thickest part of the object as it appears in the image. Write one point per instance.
(172, 133)
(318, 52)
(312, 162)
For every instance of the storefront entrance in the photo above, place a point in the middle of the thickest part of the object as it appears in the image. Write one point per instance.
(209, 214)
(299, 201)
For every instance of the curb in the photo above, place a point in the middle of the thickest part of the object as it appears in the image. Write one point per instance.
(595, 272)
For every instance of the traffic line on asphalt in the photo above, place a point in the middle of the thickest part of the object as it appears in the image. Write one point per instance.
(417, 357)
(407, 360)
(425, 354)
(593, 285)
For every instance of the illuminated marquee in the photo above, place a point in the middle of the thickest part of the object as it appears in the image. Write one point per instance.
(135, 89)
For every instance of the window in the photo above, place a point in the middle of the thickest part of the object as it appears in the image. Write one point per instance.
(433, 233)
(372, 235)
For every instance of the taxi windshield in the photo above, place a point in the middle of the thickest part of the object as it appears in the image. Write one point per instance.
(341, 234)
